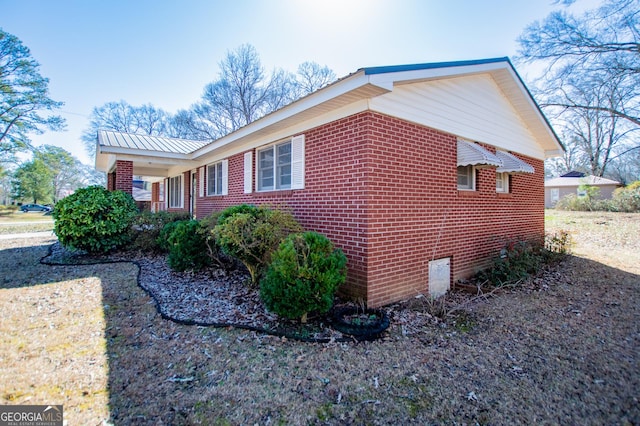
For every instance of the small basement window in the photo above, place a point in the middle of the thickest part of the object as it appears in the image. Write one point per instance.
(466, 178)
(502, 182)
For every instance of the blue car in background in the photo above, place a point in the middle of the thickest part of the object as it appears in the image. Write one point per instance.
(35, 208)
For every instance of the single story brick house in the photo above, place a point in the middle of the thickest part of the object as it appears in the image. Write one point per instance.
(572, 183)
(420, 173)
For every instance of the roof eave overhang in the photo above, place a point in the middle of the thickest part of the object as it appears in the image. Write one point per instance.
(353, 88)
(503, 73)
(362, 85)
(145, 163)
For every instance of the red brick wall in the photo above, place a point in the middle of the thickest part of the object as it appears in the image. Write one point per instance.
(416, 214)
(385, 191)
(124, 176)
(111, 181)
(155, 192)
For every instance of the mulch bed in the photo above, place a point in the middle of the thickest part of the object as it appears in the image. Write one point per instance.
(219, 298)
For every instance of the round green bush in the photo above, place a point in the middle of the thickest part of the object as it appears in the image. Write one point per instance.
(303, 276)
(187, 246)
(94, 219)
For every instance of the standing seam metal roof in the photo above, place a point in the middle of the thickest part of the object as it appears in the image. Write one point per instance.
(148, 143)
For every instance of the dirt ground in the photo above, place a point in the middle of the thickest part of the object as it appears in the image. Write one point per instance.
(561, 350)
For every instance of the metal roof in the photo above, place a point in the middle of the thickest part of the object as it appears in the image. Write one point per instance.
(113, 139)
(430, 66)
(577, 181)
(472, 154)
(512, 164)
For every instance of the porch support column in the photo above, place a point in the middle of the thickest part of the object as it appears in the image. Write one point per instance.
(124, 176)
(155, 192)
(111, 181)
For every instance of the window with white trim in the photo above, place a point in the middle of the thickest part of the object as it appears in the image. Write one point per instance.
(175, 192)
(466, 178)
(214, 179)
(274, 167)
(502, 182)
(555, 194)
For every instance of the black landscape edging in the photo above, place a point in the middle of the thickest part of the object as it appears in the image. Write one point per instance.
(360, 332)
(166, 316)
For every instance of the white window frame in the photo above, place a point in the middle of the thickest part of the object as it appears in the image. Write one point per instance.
(220, 183)
(471, 178)
(502, 182)
(175, 195)
(296, 166)
(201, 177)
(276, 167)
(555, 194)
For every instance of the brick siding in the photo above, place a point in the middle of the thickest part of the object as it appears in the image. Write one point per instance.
(385, 191)
(124, 176)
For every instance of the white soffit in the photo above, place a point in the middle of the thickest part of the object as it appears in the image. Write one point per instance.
(512, 164)
(472, 154)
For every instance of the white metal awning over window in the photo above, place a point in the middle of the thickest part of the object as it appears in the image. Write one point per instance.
(472, 154)
(512, 164)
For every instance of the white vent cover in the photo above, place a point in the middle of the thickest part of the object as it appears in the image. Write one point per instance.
(439, 276)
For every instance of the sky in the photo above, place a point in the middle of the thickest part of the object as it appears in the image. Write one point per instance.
(164, 52)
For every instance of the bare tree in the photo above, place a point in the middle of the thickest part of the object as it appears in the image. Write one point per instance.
(243, 91)
(122, 117)
(313, 76)
(590, 84)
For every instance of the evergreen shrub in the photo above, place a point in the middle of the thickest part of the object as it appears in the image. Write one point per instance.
(94, 219)
(303, 276)
(187, 246)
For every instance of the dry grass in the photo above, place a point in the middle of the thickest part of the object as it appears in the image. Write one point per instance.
(14, 221)
(564, 351)
(610, 238)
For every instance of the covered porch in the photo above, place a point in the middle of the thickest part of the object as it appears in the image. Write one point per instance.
(158, 160)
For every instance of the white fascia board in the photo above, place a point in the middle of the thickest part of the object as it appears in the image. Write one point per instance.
(229, 149)
(553, 153)
(335, 90)
(165, 162)
(156, 173)
(111, 163)
(387, 80)
(536, 110)
(141, 154)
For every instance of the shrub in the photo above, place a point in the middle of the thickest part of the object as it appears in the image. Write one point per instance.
(521, 258)
(146, 228)
(251, 234)
(627, 199)
(214, 251)
(94, 219)
(558, 243)
(165, 233)
(303, 276)
(187, 246)
(583, 203)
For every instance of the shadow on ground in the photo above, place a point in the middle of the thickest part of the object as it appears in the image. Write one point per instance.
(567, 354)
